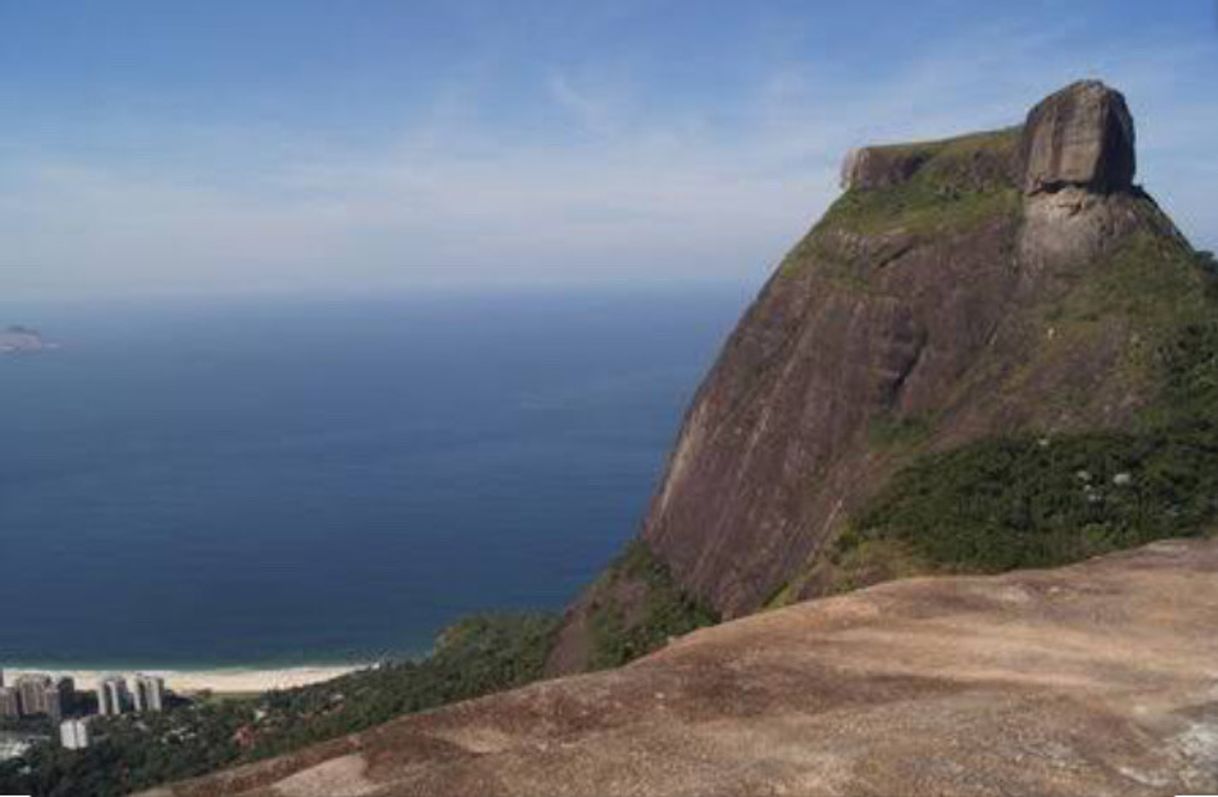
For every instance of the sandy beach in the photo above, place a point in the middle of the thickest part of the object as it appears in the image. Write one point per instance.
(218, 680)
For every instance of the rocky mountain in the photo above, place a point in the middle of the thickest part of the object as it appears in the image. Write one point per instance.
(1092, 679)
(962, 299)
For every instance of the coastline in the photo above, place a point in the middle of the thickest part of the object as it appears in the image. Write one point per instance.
(220, 679)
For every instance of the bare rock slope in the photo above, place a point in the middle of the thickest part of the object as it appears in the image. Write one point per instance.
(1098, 679)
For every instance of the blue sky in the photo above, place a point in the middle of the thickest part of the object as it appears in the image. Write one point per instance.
(274, 145)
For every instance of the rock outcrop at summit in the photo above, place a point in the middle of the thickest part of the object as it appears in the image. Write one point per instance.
(1077, 163)
(1088, 680)
(939, 301)
(1081, 136)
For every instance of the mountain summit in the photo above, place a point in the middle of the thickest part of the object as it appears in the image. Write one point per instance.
(972, 324)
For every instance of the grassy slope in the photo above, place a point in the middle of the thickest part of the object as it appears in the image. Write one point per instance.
(963, 182)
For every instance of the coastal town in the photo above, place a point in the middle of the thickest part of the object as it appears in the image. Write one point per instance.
(69, 712)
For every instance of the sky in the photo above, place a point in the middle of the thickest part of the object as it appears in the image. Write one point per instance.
(343, 146)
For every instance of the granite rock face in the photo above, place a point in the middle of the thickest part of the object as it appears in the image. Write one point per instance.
(1080, 136)
(1087, 680)
(914, 309)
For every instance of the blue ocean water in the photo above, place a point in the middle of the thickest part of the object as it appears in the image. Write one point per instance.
(266, 482)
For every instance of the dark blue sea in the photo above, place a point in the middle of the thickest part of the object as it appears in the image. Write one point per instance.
(274, 482)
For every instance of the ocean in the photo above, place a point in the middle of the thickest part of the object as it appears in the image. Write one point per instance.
(260, 482)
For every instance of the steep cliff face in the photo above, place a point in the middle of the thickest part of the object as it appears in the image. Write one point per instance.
(991, 285)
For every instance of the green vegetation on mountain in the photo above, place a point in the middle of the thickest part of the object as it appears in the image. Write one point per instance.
(475, 656)
(889, 431)
(1040, 500)
(624, 630)
(962, 182)
(959, 183)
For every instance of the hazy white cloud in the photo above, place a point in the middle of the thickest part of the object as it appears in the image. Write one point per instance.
(594, 111)
(619, 196)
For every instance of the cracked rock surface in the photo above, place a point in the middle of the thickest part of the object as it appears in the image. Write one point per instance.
(1099, 678)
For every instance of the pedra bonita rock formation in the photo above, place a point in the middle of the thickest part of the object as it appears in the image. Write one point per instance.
(1005, 286)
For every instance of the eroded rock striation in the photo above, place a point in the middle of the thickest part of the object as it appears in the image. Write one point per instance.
(1093, 679)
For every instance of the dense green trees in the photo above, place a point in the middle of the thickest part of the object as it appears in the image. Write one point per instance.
(475, 656)
(663, 609)
(1032, 501)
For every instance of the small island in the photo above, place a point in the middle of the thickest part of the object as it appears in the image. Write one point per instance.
(18, 339)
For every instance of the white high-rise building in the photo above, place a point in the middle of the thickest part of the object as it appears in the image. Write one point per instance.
(112, 695)
(149, 692)
(74, 734)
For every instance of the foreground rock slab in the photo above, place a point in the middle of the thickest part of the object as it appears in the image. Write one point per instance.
(1095, 679)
